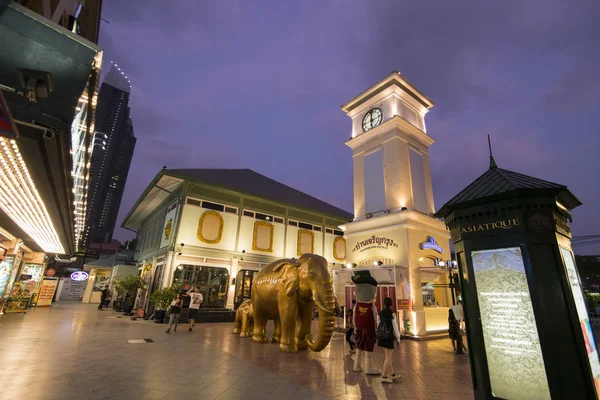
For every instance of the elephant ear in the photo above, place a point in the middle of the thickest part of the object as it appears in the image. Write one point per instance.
(292, 286)
(283, 263)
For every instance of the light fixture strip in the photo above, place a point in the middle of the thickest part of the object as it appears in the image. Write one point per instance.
(22, 202)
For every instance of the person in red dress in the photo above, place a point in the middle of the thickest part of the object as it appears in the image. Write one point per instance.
(365, 322)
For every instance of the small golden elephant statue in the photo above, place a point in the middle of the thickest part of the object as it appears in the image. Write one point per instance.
(244, 319)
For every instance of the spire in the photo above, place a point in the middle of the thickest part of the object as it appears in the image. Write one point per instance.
(492, 162)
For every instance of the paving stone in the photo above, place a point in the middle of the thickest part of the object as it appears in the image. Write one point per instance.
(72, 351)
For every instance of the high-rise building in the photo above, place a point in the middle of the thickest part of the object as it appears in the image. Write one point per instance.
(114, 143)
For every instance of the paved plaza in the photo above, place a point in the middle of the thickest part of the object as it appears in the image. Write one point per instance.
(73, 351)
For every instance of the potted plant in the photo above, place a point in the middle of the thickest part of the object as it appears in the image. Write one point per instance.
(129, 286)
(161, 299)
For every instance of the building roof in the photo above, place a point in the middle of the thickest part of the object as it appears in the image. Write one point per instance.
(118, 258)
(117, 78)
(497, 183)
(252, 183)
(394, 78)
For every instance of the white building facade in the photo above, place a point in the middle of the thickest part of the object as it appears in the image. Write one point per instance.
(217, 228)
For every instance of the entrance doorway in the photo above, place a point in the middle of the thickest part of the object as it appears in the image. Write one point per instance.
(243, 286)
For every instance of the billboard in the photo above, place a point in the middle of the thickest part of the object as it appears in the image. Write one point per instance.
(510, 335)
(7, 124)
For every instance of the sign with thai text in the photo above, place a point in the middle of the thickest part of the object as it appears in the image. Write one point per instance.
(430, 244)
(374, 242)
(47, 292)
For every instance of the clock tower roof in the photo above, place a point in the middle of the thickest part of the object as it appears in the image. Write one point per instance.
(393, 79)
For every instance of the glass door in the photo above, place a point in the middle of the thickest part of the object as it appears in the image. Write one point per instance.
(243, 286)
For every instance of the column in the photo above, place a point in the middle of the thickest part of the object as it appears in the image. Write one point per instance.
(231, 289)
(417, 321)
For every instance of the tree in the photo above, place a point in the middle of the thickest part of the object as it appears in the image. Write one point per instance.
(163, 297)
(130, 284)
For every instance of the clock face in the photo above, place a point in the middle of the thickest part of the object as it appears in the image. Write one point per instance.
(372, 118)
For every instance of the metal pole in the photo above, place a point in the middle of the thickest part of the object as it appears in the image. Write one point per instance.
(451, 276)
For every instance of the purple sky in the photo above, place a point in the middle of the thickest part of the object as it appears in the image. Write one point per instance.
(238, 84)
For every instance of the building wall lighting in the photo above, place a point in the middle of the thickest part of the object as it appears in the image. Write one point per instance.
(20, 200)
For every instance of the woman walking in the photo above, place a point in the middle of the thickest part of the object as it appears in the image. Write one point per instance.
(175, 308)
(454, 333)
(388, 319)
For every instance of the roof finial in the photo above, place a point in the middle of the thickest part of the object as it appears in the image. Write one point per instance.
(492, 162)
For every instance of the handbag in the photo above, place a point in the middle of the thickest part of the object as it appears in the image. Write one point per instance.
(382, 330)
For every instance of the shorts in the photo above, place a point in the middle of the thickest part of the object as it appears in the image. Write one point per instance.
(192, 313)
(365, 339)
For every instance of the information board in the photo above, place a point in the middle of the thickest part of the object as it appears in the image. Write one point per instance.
(584, 321)
(72, 290)
(512, 346)
(47, 291)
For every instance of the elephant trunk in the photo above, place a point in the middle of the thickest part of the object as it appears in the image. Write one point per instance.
(326, 309)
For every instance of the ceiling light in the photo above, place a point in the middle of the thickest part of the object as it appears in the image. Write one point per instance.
(21, 201)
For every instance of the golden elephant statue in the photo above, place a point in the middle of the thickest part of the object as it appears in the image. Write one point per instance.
(287, 291)
(244, 319)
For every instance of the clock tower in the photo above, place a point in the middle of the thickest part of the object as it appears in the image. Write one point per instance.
(393, 225)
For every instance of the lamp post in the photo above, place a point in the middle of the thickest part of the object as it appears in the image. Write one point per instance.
(450, 266)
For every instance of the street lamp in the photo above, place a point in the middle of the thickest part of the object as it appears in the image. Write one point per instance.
(450, 266)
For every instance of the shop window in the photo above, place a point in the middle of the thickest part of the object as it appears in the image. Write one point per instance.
(262, 239)
(243, 286)
(306, 242)
(428, 294)
(339, 248)
(210, 227)
(211, 281)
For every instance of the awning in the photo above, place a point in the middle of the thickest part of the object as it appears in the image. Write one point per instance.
(157, 192)
(58, 62)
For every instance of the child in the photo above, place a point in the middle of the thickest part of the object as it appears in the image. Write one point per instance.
(350, 331)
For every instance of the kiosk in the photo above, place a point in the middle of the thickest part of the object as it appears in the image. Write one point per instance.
(528, 330)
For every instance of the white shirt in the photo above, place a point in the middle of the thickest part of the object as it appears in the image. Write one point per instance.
(195, 300)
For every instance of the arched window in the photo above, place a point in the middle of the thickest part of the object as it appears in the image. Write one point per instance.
(339, 248)
(306, 242)
(210, 227)
(262, 239)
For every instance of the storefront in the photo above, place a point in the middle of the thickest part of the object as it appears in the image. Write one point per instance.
(213, 230)
(211, 281)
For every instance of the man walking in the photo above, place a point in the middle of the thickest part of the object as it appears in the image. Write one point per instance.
(196, 299)
(103, 297)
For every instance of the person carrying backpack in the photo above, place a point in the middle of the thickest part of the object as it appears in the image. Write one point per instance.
(387, 334)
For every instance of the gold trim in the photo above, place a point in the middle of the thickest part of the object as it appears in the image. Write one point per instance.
(312, 244)
(167, 229)
(268, 225)
(335, 254)
(146, 269)
(201, 221)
